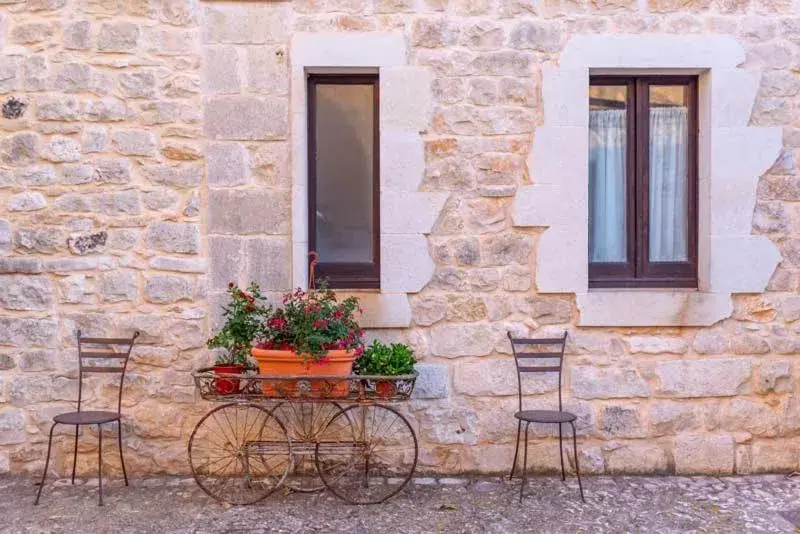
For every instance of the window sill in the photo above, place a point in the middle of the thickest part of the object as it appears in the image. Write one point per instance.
(649, 307)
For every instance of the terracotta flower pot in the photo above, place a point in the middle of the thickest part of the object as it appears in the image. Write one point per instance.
(289, 363)
(384, 388)
(227, 386)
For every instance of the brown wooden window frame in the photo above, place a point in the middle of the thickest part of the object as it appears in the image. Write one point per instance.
(638, 271)
(344, 275)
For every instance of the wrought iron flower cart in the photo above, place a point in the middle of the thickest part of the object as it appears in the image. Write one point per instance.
(304, 433)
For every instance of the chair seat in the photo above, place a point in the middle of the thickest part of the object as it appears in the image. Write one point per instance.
(545, 416)
(89, 417)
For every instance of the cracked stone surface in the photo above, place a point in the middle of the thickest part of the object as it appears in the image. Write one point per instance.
(765, 503)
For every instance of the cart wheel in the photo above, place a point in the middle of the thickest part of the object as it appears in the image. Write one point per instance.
(305, 421)
(239, 453)
(375, 465)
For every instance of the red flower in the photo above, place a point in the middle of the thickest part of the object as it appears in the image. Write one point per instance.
(320, 324)
(277, 323)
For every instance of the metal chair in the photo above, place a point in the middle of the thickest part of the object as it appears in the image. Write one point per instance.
(558, 417)
(91, 361)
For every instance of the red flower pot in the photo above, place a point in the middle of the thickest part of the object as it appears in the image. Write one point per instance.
(227, 385)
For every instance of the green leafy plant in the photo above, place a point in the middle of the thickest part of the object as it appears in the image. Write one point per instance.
(244, 321)
(387, 360)
(312, 323)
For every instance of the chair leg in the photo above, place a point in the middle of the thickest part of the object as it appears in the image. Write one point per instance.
(524, 464)
(121, 458)
(75, 453)
(516, 450)
(100, 461)
(561, 450)
(575, 451)
(46, 463)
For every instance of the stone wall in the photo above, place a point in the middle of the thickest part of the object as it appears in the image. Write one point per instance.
(150, 165)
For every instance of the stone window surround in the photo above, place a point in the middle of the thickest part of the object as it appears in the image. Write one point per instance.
(406, 214)
(732, 157)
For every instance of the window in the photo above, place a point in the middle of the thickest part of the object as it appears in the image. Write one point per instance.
(643, 181)
(343, 193)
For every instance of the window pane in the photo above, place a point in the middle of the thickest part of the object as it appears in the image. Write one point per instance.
(607, 173)
(669, 157)
(344, 177)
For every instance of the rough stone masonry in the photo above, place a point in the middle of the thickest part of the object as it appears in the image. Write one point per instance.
(147, 162)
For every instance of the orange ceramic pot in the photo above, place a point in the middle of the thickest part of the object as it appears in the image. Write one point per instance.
(289, 363)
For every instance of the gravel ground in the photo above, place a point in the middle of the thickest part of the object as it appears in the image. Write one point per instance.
(769, 503)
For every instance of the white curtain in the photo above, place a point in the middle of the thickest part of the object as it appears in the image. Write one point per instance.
(607, 170)
(668, 183)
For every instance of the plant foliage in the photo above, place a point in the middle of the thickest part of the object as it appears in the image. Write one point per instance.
(387, 360)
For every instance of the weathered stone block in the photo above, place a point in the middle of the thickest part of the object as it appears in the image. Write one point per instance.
(20, 265)
(94, 139)
(41, 239)
(704, 454)
(505, 249)
(635, 458)
(183, 238)
(703, 378)
(589, 382)
(775, 377)
(118, 37)
(21, 292)
(112, 170)
(242, 212)
(227, 164)
(180, 151)
(227, 259)
(9, 74)
(135, 142)
(76, 289)
(246, 23)
(5, 237)
(452, 341)
(545, 310)
(221, 70)
(269, 262)
(670, 418)
(105, 110)
(749, 416)
(710, 342)
(78, 35)
(37, 176)
(498, 377)
(432, 382)
(429, 310)
(73, 78)
(181, 176)
(25, 332)
(246, 118)
(87, 263)
(267, 70)
(76, 174)
(181, 265)
(118, 286)
(163, 289)
(62, 149)
(141, 84)
(622, 422)
(57, 108)
(35, 73)
(657, 345)
(27, 201)
(31, 32)
(20, 149)
(12, 426)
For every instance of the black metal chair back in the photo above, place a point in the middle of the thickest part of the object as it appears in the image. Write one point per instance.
(529, 359)
(96, 357)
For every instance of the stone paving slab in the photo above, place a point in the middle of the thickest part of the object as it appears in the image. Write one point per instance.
(767, 503)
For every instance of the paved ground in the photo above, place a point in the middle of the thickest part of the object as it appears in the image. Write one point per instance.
(768, 503)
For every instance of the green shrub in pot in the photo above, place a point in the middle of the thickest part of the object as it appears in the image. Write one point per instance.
(386, 360)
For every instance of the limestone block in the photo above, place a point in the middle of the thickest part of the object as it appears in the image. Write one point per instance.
(402, 161)
(243, 211)
(406, 265)
(732, 93)
(178, 264)
(742, 264)
(227, 164)
(268, 262)
(36, 176)
(562, 90)
(545, 310)
(78, 35)
(669, 418)
(27, 201)
(590, 382)
(350, 49)
(76, 174)
(498, 377)
(769, 455)
(246, 23)
(652, 51)
(86, 263)
(454, 340)
(561, 261)
(111, 170)
(657, 345)
(118, 37)
(105, 110)
(20, 149)
(775, 377)
(5, 237)
(432, 382)
(166, 289)
(135, 142)
(60, 149)
(118, 286)
(704, 454)
(382, 310)
(246, 118)
(221, 70)
(12, 426)
(25, 332)
(405, 98)
(618, 421)
(410, 213)
(743, 415)
(20, 265)
(268, 69)
(704, 378)
(181, 176)
(75, 289)
(547, 164)
(174, 237)
(505, 249)
(226, 261)
(57, 108)
(652, 308)
(35, 73)
(538, 35)
(73, 78)
(31, 32)
(138, 84)
(636, 458)
(22, 292)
